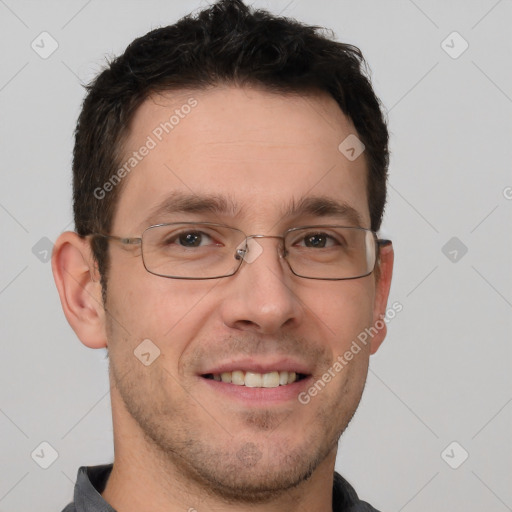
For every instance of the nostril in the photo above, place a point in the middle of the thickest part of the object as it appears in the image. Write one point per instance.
(246, 323)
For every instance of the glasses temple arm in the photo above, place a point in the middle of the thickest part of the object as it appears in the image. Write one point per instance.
(123, 240)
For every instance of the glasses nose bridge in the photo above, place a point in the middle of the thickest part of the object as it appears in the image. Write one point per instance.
(243, 253)
(265, 236)
(279, 237)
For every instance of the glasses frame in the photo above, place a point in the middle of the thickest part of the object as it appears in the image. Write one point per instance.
(239, 253)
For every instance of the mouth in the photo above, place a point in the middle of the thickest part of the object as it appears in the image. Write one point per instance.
(252, 379)
(263, 382)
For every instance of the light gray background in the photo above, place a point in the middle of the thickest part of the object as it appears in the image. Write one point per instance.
(442, 375)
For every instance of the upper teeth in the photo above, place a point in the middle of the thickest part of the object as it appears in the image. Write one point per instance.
(256, 380)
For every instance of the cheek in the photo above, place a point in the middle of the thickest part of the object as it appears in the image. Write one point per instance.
(341, 310)
(168, 312)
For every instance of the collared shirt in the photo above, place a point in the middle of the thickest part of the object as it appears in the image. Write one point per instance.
(91, 482)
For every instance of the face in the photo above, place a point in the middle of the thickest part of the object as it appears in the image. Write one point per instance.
(258, 158)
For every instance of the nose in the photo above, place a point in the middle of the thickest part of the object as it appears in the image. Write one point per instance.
(262, 297)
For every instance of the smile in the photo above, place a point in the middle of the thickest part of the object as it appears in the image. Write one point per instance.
(249, 379)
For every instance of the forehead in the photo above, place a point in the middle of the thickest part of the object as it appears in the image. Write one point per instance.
(256, 151)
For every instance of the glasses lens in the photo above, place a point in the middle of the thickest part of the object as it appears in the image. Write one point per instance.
(191, 251)
(330, 252)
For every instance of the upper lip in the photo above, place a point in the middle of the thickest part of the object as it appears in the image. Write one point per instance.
(259, 366)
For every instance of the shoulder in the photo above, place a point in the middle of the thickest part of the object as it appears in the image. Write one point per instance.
(345, 498)
(90, 483)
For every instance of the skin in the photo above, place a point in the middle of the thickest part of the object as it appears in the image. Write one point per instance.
(178, 443)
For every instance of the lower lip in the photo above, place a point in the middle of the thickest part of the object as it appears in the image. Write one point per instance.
(259, 396)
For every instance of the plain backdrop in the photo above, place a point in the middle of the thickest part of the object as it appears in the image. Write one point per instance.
(439, 389)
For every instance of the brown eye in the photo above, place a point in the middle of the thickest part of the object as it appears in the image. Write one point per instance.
(318, 240)
(191, 239)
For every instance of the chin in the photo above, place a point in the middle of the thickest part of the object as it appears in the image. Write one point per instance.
(252, 471)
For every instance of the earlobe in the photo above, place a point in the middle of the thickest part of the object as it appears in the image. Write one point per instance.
(79, 288)
(383, 285)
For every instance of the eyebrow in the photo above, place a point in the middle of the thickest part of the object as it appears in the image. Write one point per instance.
(317, 206)
(179, 202)
(321, 206)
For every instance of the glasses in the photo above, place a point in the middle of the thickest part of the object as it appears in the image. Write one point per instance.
(205, 250)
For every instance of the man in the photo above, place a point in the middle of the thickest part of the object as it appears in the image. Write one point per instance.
(229, 179)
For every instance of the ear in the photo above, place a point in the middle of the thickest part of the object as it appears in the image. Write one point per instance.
(78, 284)
(383, 284)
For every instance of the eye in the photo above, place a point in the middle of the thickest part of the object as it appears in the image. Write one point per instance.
(186, 239)
(192, 239)
(318, 241)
